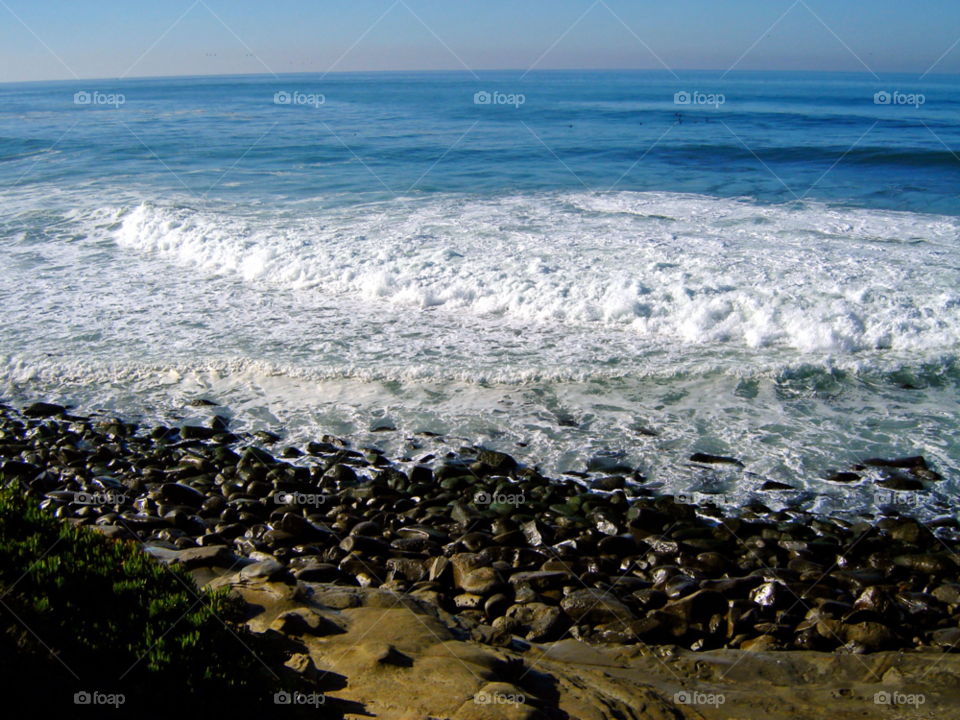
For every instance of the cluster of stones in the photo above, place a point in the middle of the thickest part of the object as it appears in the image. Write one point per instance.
(602, 560)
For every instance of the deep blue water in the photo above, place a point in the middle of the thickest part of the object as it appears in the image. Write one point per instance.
(777, 136)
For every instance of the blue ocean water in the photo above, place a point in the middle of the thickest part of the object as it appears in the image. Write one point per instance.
(763, 264)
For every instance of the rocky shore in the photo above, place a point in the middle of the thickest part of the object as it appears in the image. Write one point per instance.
(491, 552)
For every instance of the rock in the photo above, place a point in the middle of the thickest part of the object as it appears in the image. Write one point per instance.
(916, 461)
(409, 568)
(368, 529)
(768, 595)
(948, 594)
(613, 482)
(714, 459)
(468, 601)
(177, 494)
(439, 568)
(318, 572)
(217, 556)
(764, 643)
(898, 482)
(843, 477)
(699, 607)
(482, 581)
(875, 600)
(43, 410)
(542, 580)
(908, 532)
(303, 621)
(947, 638)
(595, 606)
(874, 636)
(537, 533)
(771, 485)
(496, 606)
(366, 545)
(340, 474)
(267, 570)
(927, 564)
(548, 625)
(498, 461)
(302, 665)
(464, 564)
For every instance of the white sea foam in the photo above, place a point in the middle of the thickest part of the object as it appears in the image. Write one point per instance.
(671, 268)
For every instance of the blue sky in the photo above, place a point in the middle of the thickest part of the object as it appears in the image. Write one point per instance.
(60, 39)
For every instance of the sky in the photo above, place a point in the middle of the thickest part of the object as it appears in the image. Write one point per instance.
(87, 39)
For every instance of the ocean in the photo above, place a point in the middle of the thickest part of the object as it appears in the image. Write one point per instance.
(584, 269)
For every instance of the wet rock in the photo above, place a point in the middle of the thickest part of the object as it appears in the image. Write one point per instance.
(948, 594)
(537, 533)
(496, 606)
(609, 484)
(548, 625)
(948, 638)
(844, 477)
(43, 410)
(618, 545)
(595, 606)
(464, 564)
(468, 601)
(916, 461)
(219, 556)
(927, 564)
(498, 461)
(367, 529)
(317, 572)
(177, 494)
(873, 636)
(698, 607)
(365, 545)
(268, 570)
(714, 459)
(483, 581)
(772, 485)
(764, 643)
(875, 600)
(918, 603)
(768, 595)
(899, 482)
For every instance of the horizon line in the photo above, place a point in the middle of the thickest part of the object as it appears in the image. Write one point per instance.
(451, 72)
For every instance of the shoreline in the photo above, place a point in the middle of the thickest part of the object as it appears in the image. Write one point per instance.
(506, 550)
